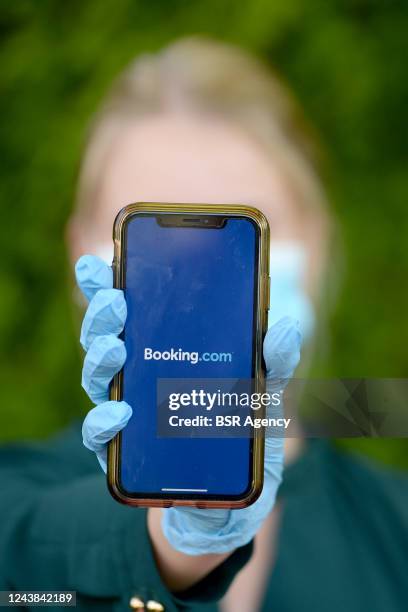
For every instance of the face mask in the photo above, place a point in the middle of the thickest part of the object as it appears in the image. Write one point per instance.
(287, 270)
(105, 252)
(287, 297)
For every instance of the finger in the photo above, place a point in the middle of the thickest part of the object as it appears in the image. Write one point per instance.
(282, 349)
(104, 359)
(93, 274)
(106, 314)
(102, 424)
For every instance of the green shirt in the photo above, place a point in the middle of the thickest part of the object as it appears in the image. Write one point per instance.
(343, 543)
(343, 540)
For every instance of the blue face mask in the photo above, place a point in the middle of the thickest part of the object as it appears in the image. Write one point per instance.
(287, 296)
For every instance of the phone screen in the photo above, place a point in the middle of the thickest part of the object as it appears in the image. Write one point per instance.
(189, 289)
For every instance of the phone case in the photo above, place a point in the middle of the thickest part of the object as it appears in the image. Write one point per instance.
(119, 229)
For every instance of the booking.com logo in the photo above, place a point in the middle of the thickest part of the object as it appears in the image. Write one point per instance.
(180, 355)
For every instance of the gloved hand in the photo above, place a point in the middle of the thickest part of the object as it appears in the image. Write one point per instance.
(189, 530)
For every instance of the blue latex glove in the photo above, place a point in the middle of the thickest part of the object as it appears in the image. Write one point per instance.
(189, 530)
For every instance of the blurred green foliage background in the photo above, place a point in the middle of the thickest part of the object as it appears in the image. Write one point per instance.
(346, 62)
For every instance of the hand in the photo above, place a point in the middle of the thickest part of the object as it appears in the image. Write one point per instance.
(189, 530)
(105, 353)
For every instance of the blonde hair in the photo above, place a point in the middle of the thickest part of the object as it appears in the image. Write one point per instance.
(203, 75)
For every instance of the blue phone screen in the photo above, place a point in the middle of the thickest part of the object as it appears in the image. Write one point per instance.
(189, 288)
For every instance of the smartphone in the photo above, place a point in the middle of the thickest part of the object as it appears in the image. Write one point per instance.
(195, 279)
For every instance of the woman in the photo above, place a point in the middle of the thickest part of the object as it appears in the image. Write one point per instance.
(204, 122)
